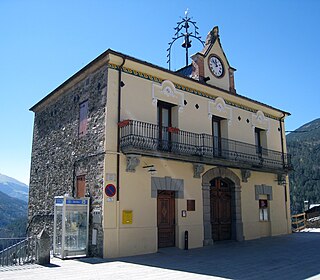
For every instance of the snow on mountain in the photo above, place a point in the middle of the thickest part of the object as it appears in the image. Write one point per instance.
(13, 187)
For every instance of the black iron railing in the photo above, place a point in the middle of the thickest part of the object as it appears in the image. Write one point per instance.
(141, 136)
(20, 253)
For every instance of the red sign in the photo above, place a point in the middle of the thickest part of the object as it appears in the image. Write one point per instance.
(110, 190)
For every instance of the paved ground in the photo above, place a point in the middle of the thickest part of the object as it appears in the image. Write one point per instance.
(294, 256)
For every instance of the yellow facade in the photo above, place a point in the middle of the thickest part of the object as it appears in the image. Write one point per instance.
(143, 87)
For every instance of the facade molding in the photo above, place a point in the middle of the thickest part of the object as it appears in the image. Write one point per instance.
(263, 190)
(132, 162)
(167, 92)
(167, 183)
(198, 168)
(186, 89)
(245, 174)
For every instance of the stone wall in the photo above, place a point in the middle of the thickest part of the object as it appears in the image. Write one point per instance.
(59, 154)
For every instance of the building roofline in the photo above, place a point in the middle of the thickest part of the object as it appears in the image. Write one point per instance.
(110, 51)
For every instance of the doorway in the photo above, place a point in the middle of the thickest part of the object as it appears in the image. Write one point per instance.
(166, 218)
(220, 207)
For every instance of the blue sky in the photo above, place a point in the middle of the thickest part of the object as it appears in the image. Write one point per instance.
(273, 45)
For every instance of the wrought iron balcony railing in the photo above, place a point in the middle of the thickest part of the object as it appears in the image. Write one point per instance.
(169, 142)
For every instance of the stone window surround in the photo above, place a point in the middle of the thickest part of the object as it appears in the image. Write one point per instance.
(263, 190)
(167, 183)
(237, 225)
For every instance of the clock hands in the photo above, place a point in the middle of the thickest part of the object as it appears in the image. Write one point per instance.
(216, 66)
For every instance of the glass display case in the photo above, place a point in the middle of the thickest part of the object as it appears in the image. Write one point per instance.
(71, 227)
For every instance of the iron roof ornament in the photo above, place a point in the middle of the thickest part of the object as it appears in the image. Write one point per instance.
(182, 30)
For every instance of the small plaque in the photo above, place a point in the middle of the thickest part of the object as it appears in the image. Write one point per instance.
(127, 217)
(111, 177)
(191, 205)
(184, 213)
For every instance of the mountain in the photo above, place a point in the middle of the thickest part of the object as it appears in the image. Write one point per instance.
(13, 216)
(14, 188)
(304, 146)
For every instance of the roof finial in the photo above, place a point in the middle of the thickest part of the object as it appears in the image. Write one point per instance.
(186, 13)
(185, 25)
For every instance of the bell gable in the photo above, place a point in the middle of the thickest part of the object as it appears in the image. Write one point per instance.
(211, 64)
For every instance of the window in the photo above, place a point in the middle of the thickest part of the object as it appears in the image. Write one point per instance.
(257, 135)
(216, 133)
(191, 205)
(81, 186)
(263, 210)
(164, 121)
(83, 118)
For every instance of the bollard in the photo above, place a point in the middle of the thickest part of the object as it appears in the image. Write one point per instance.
(43, 250)
(186, 241)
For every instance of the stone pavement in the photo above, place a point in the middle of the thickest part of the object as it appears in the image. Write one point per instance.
(294, 256)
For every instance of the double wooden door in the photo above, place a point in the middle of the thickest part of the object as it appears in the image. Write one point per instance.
(166, 219)
(220, 204)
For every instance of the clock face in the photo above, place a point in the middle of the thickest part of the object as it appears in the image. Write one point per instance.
(216, 66)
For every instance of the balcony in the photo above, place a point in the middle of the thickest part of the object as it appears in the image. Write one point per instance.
(147, 139)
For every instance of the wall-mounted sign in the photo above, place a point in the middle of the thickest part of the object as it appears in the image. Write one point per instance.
(127, 217)
(184, 213)
(111, 177)
(110, 190)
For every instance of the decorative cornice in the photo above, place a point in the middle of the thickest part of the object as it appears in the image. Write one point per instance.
(186, 89)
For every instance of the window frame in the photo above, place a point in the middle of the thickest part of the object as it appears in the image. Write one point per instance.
(163, 130)
(83, 118)
(216, 139)
(263, 210)
(80, 178)
(257, 140)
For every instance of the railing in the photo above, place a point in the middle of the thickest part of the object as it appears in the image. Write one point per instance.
(8, 242)
(298, 222)
(23, 252)
(136, 135)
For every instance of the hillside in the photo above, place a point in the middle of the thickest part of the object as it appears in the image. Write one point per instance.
(304, 146)
(13, 188)
(13, 216)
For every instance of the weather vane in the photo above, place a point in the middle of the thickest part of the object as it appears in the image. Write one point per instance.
(184, 25)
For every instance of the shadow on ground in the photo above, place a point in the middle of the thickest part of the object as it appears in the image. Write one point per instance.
(292, 257)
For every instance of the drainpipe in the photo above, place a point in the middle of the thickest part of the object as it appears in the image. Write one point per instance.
(283, 162)
(119, 116)
(282, 142)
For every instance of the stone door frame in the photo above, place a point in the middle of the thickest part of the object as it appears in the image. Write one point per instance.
(234, 180)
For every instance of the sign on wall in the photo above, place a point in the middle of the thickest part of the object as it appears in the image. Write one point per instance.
(110, 190)
(127, 217)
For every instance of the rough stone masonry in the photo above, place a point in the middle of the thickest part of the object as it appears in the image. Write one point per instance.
(59, 155)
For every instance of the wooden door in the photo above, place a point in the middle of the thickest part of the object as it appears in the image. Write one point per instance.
(81, 186)
(166, 219)
(220, 201)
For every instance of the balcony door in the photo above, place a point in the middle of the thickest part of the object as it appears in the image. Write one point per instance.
(216, 133)
(164, 121)
(257, 135)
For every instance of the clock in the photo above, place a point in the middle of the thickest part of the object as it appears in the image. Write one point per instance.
(216, 66)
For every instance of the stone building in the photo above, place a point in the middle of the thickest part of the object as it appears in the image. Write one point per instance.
(184, 151)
